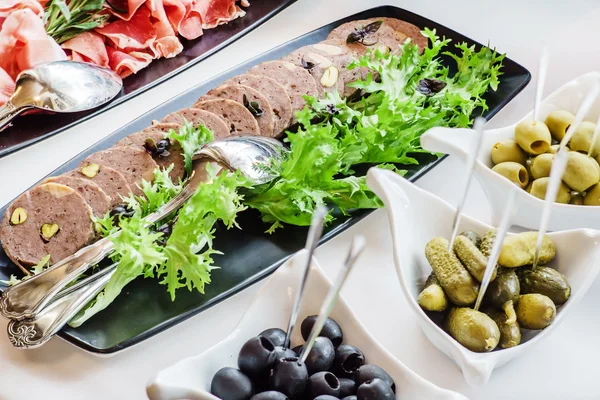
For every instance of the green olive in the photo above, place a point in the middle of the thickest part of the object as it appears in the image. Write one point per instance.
(533, 136)
(540, 167)
(554, 148)
(581, 172)
(514, 172)
(540, 185)
(592, 197)
(558, 121)
(582, 138)
(508, 150)
(577, 198)
(473, 329)
(535, 311)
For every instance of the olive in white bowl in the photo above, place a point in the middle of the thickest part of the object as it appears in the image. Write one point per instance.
(417, 216)
(191, 378)
(496, 183)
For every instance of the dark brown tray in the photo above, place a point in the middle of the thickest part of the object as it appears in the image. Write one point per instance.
(33, 128)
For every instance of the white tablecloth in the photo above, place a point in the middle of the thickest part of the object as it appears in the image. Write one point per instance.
(561, 367)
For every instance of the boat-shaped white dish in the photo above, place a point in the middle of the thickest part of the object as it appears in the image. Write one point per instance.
(190, 378)
(460, 142)
(417, 216)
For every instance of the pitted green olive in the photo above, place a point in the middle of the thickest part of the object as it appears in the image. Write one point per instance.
(540, 167)
(581, 172)
(540, 185)
(592, 197)
(558, 121)
(508, 150)
(582, 138)
(533, 136)
(514, 172)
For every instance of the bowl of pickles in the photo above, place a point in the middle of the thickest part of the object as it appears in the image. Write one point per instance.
(220, 371)
(522, 154)
(521, 306)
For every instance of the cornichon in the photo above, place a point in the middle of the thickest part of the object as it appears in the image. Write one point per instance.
(473, 237)
(487, 242)
(546, 281)
(504, 292)
(471, 257)
(519, 250)
(510, 333)
(432, 297)
(456, 281)
(473, 329)
(535, 311)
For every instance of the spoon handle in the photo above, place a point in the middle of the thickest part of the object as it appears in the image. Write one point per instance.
(34, 332)
(7, 113)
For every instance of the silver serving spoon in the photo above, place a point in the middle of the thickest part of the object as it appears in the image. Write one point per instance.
(472, 156)
(253, 156)
(61, 87)
(356, 248)
(312, 240)
(495, 253)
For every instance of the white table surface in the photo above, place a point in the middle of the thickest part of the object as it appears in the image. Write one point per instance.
(561, 367)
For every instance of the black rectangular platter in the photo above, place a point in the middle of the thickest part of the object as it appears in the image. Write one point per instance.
(33, 128)
(144, 308)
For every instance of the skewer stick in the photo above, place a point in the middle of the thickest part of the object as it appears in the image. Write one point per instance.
(312, 240)
(356, 248)
(594, 138)
(541, 81)
(495, 253)
(472, 156)
(586, 104)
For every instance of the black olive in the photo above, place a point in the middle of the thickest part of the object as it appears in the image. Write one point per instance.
(352, 397)
(375, 389)
(325, 397)
(331, 330)
(370, 371)
(289, 377)
(348, 359)
(282, 352)
(275, 336)
(269, 395)
(347, 387)
(122, 210)
(230, 383)
(323, 383)
(256, 357)
(164, 144)
(321, 356)
(297, 349)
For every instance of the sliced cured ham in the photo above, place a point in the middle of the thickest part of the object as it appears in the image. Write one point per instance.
(217, 12)
(89, 47)
(136, 34)
(167, 43)
(25, 44)
(130, 5)
(7, 86)
(126, 64)
(9, 6)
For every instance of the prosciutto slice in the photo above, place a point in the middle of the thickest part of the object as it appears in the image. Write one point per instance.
(88, 47)
(130, 5)
(127, 63)
(9, 6)
(217, 12)
(138, 33)
(7, 86)
(25, 44)
(167, 43)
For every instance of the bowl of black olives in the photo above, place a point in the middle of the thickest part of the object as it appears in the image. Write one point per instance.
(345, 362)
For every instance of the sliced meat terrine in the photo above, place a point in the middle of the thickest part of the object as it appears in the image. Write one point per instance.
(198, 117)
(96, 198)
(239, 120)
(48, 219)
(111, 181)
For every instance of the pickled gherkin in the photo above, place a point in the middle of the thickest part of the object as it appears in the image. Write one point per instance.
(546, 281)
(432, 297)
(471, 257)
(535, 311)
(473, 329)
(510, 332)
(458, 284)
(519, 250)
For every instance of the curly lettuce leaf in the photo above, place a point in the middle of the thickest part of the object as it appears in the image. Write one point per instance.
(190, 140)
(137, 251)
(189, 249)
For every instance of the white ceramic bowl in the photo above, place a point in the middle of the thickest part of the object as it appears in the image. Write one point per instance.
(417, 216)
(459, 142)
(191, 377)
